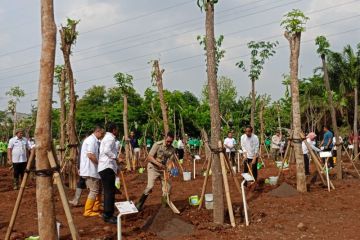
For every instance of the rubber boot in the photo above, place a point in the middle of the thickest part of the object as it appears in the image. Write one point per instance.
(16, 184)
(75, 201)
(141, 202)
(97, 204)
(88, 211)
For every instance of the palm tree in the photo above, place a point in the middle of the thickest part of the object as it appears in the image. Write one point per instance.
(323, 50)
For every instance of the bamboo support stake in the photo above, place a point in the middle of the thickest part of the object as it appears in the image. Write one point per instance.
(232, 173)
(20, 194)
(57, 178)
(205, 182)
(352, 162)
(226, 185)
(178, 163)
(285, 156)
(124, 183)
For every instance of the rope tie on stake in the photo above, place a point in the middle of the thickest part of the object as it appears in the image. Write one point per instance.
(46, 172)
(72, 145)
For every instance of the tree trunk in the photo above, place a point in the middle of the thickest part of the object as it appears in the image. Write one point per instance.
(159, 84)
(71, 128)
(44, 184)
(217, 181)
(182, 126)
(356, 134)
(126, 133)
(62, 115)
(333, 119)
(15, 120)
(294, 42)
(262, 127)
(253, 104)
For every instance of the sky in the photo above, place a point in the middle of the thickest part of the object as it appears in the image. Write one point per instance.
(124, 35)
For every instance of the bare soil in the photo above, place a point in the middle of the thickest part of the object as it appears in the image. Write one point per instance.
(317, 214)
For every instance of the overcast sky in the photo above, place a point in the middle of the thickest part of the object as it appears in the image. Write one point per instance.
(123, 36)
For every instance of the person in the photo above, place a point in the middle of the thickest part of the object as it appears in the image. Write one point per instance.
(229, 144)
(180, 149)
(18, 153)
(135, 149)
(250, 148)
(275, 145)
(327, 144)
(160, 154)
(108, 169)
(310, 138)
(81, 183)
(89, 171)
(335, 147)
(3, 150)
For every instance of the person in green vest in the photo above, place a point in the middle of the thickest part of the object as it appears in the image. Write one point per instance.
(3, 150)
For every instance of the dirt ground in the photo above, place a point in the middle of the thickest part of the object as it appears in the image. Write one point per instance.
(318, 214)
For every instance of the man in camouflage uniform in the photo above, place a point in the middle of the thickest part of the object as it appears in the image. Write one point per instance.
(159, 155)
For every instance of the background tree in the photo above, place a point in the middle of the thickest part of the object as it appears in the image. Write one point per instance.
(15, 94)
(124, 82)
(69, 35)
(219, 52)
(61, 82)
(217, 182)
(260, 51)
(44, 185)
(323, 50)
(156, 76)
(294, 24)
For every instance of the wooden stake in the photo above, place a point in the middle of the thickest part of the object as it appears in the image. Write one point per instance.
(65, 203)
(178, 163)
(124, 184)
(20, 194)
(226, 185)
(232, 173)
(205, 182)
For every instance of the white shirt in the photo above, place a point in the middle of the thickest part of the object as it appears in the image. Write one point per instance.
(334, 141)
(180, 144)
(229, 144)
(108, 153)
(250, 145)
(19, 148)
(87, 167)
(312, 145)
(275, 142)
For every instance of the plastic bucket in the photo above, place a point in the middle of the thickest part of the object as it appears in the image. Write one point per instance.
(187, 176)
(278, 164)
(141, 170)
(209, 198)
(273, 180)
(194, 200)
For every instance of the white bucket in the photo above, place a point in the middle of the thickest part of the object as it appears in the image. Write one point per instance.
(209, 198)
(273, 180)
(278, 164)
(187, 176)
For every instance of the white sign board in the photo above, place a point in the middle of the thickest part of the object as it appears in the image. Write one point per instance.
(248, 177)
(197, 157)
(351, 146)
(325, 154)
(126, 207)
(240, 151)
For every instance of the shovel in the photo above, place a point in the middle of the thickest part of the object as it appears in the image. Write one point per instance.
(171, 205)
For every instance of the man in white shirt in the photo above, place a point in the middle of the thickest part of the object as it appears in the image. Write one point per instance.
(229, 144)
(108, 169)
(18, 153)
(275, 145)
(89, 171)
(310, 138)
(250, 148)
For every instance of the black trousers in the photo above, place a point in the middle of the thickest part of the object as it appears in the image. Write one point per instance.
(231, 156)
(254, 169)
(108, 180)
(307, 164)
(81, 183)
(181, 153)
(19, 170)
(331, 160)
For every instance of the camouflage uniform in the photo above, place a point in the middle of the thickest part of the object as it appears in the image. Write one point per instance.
(162, 154)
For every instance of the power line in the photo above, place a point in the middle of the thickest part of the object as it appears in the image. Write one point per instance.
(235, 46)
(204, 65)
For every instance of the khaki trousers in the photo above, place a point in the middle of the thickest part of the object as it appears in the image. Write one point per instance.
(153, 175)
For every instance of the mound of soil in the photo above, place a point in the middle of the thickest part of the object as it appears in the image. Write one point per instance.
(284, 190)
(166, 225)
